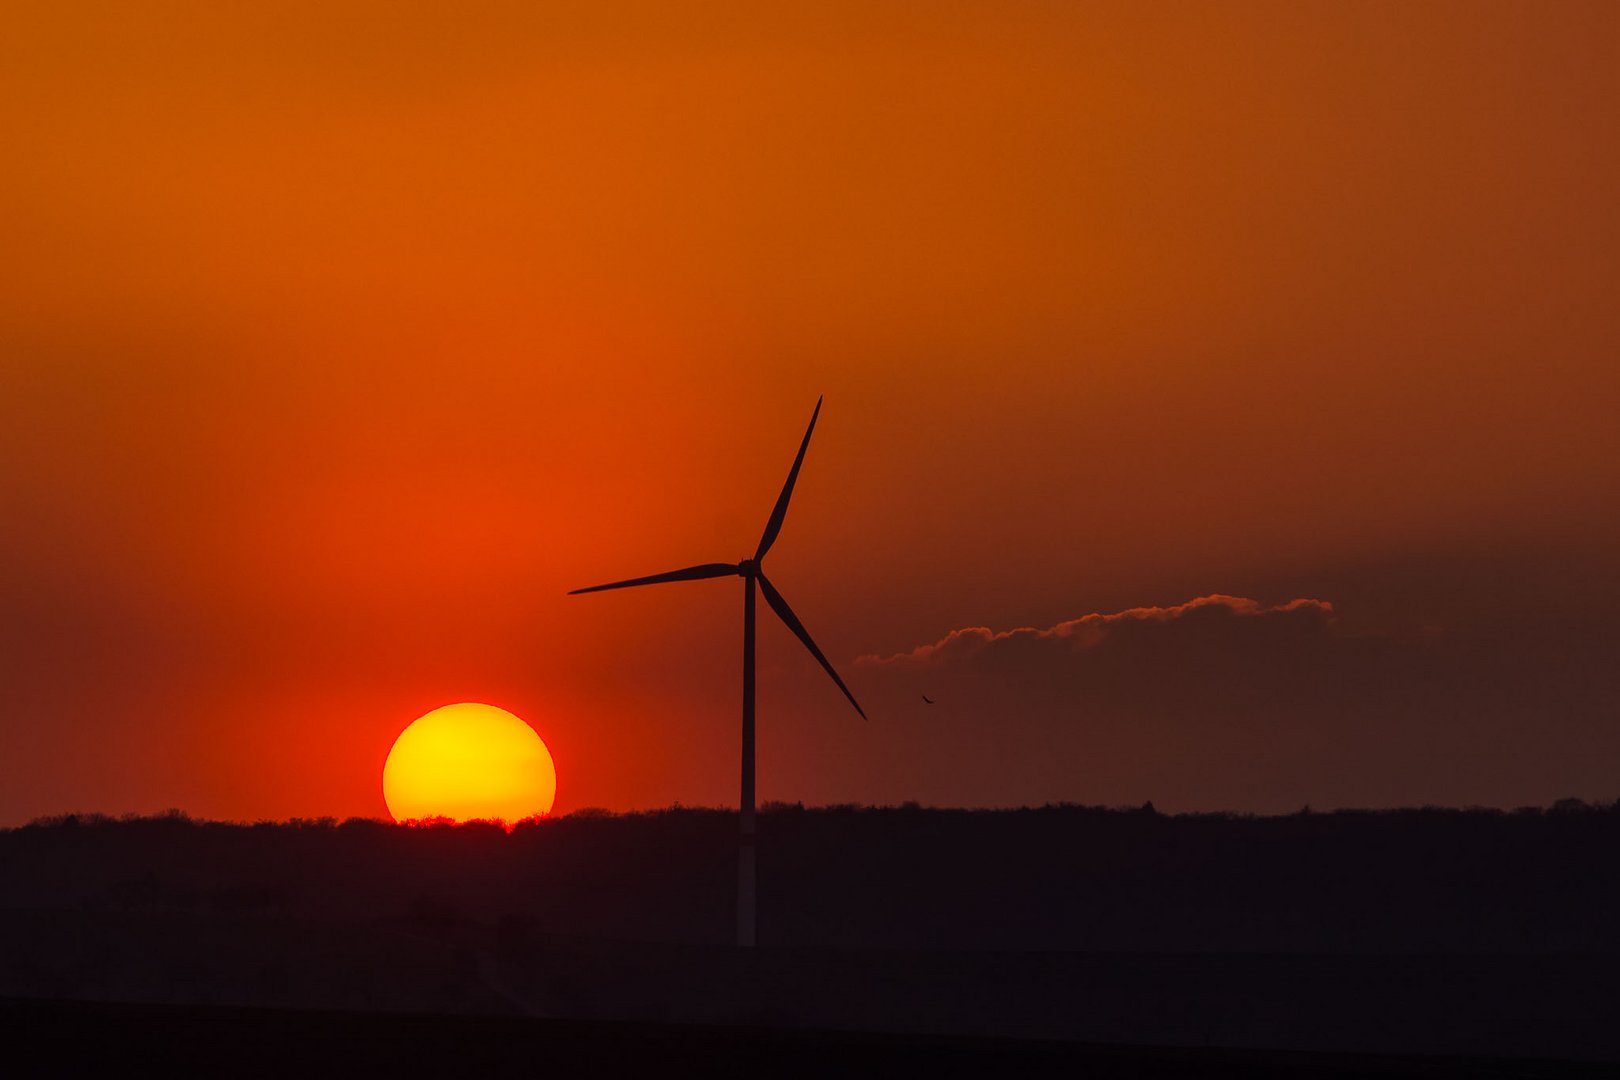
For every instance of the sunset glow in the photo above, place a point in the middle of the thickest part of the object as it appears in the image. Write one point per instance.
(468, 762)
(339, 342)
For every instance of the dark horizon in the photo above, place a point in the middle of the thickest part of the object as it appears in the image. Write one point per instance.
(1056, 878)
(1433, 932)
(1567, 804)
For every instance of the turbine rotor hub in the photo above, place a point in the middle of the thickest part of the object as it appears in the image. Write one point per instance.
(748, 568)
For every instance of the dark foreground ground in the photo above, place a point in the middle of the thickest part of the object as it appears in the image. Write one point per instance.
(78, 1039)
(1419, 937)
(1520, 1006)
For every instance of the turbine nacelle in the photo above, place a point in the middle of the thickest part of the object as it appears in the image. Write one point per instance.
(749, 570)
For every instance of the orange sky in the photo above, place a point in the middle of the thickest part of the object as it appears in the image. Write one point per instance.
(338, 340)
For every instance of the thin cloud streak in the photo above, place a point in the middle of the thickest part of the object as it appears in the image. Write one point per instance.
(1088, 631)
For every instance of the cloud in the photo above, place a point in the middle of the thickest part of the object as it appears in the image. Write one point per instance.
(1090, 631)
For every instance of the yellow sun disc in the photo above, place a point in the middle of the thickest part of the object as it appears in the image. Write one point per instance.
(468, 762)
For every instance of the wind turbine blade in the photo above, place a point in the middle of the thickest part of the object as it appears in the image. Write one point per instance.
(691, 573)
(780, 606)
(774, 526)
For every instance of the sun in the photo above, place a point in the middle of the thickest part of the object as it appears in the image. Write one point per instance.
(467, 762)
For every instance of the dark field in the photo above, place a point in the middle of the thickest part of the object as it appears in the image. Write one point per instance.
(78, 1039)
(1448, 934)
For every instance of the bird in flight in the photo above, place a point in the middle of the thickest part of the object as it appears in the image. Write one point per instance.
(927, 700)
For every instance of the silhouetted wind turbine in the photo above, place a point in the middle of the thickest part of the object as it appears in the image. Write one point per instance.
(749, 570)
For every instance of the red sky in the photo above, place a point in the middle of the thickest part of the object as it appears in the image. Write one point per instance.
(338, 341)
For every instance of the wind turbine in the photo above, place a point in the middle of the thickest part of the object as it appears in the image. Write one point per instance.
(749, 570)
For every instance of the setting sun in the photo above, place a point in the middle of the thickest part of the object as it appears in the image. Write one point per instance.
(466, 762)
